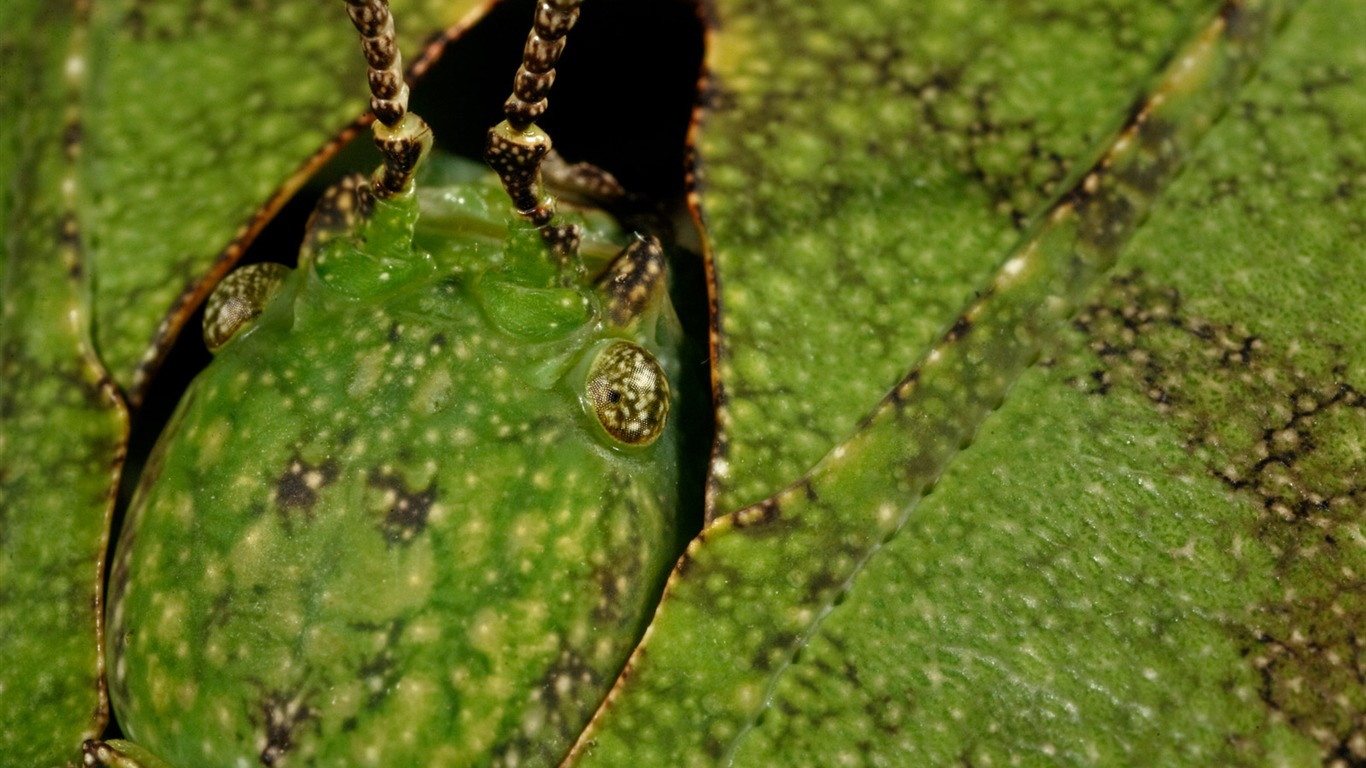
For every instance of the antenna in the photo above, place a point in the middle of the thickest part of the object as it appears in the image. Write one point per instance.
(402, 137)
(517, 146)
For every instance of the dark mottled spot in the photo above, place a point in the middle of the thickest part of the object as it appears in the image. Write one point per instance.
(281, 716)
(380, 673)
(808, 489)
(776, 650)
(961, 327)
(72, 136)
(1106, 217)
(296, 491)
(406, 510)
(1279, 436)
(764, 512)
(1238, 23)
(609, 589)
(221, 610)
(566, 692)
(1163, 155)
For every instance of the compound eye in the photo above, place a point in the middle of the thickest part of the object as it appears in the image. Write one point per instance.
(629, 393)
(237, 301)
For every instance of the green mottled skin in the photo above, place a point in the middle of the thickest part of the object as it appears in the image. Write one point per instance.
(383, 529)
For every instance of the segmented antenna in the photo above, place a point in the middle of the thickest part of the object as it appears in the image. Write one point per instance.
(402, 137)
(516, 146)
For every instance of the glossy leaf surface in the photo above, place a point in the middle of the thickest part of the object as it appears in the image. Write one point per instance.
(1151, 551)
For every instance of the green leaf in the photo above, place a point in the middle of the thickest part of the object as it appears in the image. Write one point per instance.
(864, 170)
(1151, 552)
(62, 424)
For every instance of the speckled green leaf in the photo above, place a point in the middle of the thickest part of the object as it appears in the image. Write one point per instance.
(62, 425)
(1151, 553)
(196, 114)
(863, 167)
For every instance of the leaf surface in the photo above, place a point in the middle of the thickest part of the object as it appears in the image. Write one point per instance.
(1151, 551)
(62, 424)
(862, 169)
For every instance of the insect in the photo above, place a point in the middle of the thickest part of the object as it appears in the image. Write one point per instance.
(1118, 566)
(500, 417)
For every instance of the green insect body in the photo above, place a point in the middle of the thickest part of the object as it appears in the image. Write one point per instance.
(391, 555)
(460, 494)
(430, 517)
